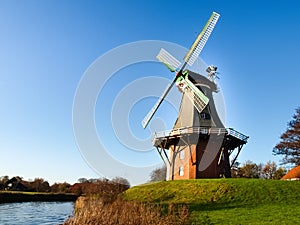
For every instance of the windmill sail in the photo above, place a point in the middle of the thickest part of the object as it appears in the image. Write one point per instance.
(149, 116)
(201, 40)
(198, 99)
(170, 61)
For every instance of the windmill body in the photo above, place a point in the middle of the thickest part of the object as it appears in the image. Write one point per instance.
(198, 146)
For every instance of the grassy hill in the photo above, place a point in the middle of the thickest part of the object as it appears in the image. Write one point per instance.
(227, 201)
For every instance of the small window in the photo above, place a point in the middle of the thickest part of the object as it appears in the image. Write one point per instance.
(203, 130)
(205, 116)
(202, 116)
(181, 154)
(181, 171)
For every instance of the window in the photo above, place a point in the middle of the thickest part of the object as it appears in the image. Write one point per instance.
(203, 130)
(181, 154)
(202, 116)
(205, 116)
(181, 171)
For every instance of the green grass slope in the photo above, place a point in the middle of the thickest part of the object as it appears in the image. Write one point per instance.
(227, 201)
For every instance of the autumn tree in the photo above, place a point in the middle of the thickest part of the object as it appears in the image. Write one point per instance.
(60, 187)
(270, 171)
(289, 145)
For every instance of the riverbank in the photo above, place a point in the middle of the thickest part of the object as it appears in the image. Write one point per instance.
(93, 210)
(201, 201)
(15, 196)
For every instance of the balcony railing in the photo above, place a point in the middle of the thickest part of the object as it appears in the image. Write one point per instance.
(200, 130)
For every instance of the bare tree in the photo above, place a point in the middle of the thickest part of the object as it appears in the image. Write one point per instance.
(159, 174)
(121, 181)
(249, 170)
(82, 180)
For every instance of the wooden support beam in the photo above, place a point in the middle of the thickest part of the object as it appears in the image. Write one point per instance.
(239, 150)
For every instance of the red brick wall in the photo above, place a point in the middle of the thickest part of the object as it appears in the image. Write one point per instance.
(187, 162)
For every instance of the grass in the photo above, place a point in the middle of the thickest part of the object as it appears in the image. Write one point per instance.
(227, 201)
(119, 212)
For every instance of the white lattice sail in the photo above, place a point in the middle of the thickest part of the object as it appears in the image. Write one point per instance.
(170, 61)
(201, 40)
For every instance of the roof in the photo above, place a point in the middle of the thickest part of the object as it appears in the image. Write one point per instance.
(292, 174)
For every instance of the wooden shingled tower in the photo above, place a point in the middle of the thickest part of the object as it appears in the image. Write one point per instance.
(199, 145)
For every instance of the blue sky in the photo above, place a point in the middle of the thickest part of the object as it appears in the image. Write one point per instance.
(46, 46)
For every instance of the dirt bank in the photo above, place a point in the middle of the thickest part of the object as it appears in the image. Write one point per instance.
(10, 197)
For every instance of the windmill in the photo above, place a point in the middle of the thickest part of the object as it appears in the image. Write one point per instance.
(199, 145)
(182, 80)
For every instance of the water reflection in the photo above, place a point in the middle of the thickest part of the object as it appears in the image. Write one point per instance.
(35, 213)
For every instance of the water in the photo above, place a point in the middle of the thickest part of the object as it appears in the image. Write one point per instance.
(35, 213)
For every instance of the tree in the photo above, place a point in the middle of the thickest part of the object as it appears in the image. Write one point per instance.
(40, 185)
(269, 170)
(158, 174)
(289, 145)
(121, 181)
(249, 170)
(252, 170)
(3, 181)
(82, 180)
(280, 172)
(60, 187)
(234, 169)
